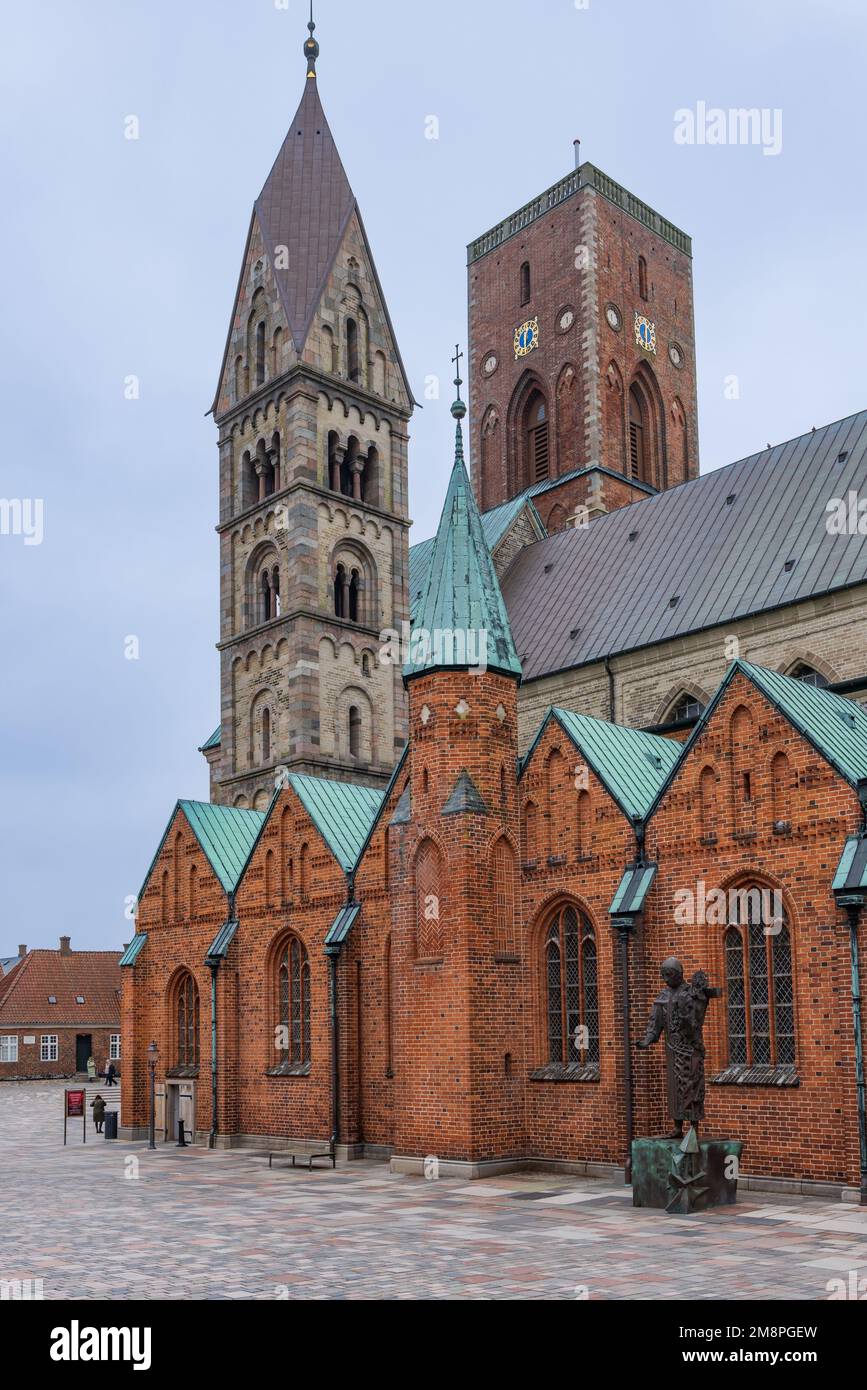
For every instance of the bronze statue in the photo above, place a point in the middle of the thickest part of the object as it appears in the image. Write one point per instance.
(678, 1011)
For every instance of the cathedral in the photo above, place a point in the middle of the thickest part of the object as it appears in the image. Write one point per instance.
(466, 795)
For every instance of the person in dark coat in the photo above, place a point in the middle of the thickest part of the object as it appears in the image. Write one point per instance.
(97, 1105)
(110, 1073)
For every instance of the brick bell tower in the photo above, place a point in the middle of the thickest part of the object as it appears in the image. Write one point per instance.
(458, 1039)
(582, 351)
(312, 409)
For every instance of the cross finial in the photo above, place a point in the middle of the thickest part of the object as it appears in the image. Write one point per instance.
(456, 363)
(311, 47)
(459, 410)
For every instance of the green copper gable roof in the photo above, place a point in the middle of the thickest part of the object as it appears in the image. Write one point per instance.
(226, 834)
(632, 765)
(632, 890)
(462, 593)
(343, 813)
(219, 947)
(214, 741)
(340, 927)
(835, 726)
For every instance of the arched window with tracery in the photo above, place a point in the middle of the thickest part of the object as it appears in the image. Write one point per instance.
(809, 675)
(571, 988)
(428, 878)
(186, 1022)
(293, 1004)
(760, 995)
(505, 943)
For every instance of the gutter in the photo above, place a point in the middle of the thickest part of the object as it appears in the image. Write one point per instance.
(624, 924)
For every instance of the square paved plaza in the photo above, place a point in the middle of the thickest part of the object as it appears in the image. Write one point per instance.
(108, 1220)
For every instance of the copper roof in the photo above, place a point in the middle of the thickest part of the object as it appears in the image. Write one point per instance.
(93, 975)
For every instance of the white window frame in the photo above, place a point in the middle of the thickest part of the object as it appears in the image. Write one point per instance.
(114, 1047)
(9, 1047)
(48, 1047)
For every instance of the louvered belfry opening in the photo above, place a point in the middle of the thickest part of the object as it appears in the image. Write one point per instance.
(637, 434)
(537, 438)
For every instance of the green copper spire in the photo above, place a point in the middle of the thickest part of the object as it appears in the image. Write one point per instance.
(461, 623)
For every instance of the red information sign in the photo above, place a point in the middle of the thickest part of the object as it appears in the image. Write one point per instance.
(74, 1103)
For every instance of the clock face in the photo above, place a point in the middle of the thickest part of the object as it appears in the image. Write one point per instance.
(489, 366)
(612, 314)
(526, 337)
(676, 354)
(645, 332)
(567, 318)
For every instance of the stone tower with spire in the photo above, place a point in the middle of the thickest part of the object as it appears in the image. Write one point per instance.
(455, 953)
(312, 408)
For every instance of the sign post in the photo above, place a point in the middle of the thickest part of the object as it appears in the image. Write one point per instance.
(73, 1106)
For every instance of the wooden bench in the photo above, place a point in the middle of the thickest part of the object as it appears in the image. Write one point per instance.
(294, 1154)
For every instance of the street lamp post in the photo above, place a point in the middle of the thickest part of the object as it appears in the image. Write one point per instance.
(152, 1067)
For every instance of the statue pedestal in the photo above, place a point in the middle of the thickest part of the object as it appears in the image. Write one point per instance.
(682, 1175)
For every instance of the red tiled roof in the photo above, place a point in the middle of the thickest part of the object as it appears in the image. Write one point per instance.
(95, 975)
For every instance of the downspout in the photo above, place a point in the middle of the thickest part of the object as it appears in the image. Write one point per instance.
(333, 954)
(610, 674)
(213, 965)
(853, 912)
(625, 926)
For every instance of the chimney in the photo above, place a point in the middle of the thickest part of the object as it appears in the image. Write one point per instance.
(22, 952)
(65, 949)
(577, 147)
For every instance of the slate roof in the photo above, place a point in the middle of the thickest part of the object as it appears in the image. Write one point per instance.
(631, 764)
(305, 204)
(703, 544)
(93, 974)
(343, 812)
(462, 593)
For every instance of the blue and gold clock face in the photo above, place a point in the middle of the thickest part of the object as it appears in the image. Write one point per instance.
(526, 337)
(645, 332)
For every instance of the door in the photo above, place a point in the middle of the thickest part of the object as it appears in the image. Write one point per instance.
(83, 1049)
(180, 1105)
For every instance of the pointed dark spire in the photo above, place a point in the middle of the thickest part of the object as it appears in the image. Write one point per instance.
(459, 410)
(311, 47)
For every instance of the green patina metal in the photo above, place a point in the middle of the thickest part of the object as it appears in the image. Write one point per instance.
(343, 813)
(631, 764)
(226, 834)
(214, 741)
(632, 890)
(219, 947)
(462, 593)
(134, 949)
(340, 927)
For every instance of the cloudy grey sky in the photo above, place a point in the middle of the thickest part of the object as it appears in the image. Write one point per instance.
(121, 257)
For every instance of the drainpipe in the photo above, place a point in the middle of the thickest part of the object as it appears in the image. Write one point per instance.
(213, 965)
(853, 913)
(333, 954)
(610, 674)
(625, 924)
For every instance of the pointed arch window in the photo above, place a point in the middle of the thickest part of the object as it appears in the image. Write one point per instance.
(637, 434)
(187, 1022)
(642, 277)
(504, 899)
(293, 1004)
(260, 352)
(759, 984)
(352, 350)
(537, 438)
(686, 707)
(525, 283)
(571, 989)
(428, 874)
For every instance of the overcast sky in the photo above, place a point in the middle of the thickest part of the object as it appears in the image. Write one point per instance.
(120, 258)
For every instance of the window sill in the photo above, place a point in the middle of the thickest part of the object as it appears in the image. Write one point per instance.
(289, 1069)
(576, 1071)
(761, 1075)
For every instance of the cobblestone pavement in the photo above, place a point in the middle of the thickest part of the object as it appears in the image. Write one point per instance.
(111, 1220)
